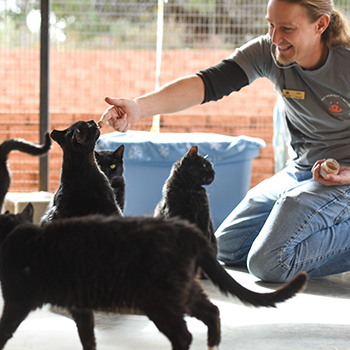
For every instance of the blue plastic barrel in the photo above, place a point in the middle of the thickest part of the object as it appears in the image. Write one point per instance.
(148, 158)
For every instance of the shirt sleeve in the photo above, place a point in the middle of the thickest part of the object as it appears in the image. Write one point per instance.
(222, 79)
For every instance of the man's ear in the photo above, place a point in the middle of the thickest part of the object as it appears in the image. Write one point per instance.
(322, 23)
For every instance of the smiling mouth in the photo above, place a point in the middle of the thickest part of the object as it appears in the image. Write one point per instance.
(283, 48)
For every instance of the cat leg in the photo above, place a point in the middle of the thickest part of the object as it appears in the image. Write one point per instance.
(172, 325)
(12, 317)
(85, 324)
(200, 307)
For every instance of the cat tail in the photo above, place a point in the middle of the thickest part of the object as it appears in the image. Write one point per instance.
(24, 146)
(227, 285)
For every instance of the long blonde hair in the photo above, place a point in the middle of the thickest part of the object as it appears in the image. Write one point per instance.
(337, 35)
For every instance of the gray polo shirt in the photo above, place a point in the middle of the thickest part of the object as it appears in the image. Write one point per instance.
(316, 103)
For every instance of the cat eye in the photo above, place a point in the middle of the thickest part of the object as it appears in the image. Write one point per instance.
(112, 166)
(99, 165)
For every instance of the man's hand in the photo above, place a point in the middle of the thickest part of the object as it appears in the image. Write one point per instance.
(121, 114)
(342, 178)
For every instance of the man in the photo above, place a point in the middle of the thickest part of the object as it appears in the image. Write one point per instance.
(297, 220)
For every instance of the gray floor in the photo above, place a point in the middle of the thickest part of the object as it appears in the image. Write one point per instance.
(318, 318)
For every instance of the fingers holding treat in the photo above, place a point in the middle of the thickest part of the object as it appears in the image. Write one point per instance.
(112, 115)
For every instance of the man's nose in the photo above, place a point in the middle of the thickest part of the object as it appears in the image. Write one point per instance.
(276, 36)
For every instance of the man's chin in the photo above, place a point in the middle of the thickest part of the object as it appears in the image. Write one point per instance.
(285, 61)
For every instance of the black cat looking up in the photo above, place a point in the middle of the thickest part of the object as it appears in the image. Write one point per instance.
(84, 189)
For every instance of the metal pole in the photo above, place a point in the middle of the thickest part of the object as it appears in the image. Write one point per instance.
(44, 90)
(160, 29)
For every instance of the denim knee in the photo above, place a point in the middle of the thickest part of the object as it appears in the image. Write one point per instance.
(268, 270)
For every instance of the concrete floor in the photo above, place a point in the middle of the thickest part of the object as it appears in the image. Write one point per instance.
(318, 318)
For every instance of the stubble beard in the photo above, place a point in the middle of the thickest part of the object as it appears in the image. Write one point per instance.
(283, 59)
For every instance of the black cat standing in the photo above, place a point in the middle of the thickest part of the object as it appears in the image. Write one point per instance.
(84, 189)
(116, 264)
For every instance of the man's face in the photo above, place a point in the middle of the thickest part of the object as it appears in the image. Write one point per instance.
(296, 39)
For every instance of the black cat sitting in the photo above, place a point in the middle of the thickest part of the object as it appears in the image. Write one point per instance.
(184, 195)
(115, 264)
(83, 189)
(17, 145)
(112, 165)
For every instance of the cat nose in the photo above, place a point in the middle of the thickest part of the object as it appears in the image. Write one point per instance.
(92, 123)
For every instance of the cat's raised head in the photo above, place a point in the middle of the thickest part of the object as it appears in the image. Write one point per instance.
(81, 136)
(111, 162)
(198, 168)
(9, 221)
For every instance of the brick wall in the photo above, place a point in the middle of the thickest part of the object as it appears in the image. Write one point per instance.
(80, 80)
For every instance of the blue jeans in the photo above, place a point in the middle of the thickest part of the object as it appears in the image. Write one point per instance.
(288, 224)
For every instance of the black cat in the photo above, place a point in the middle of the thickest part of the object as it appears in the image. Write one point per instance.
(115, 264)
(184, 195)
(17, 145)
(111, 163)
(84, 189)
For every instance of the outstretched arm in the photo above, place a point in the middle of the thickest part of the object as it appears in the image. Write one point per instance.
(176, 96)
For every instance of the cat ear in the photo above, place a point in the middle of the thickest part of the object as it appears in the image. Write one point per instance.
(97, 156)
(193, 151)
(28, 212)
(58, 136)
(119, 151)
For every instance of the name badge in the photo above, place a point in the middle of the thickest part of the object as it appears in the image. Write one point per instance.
(299, 95)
